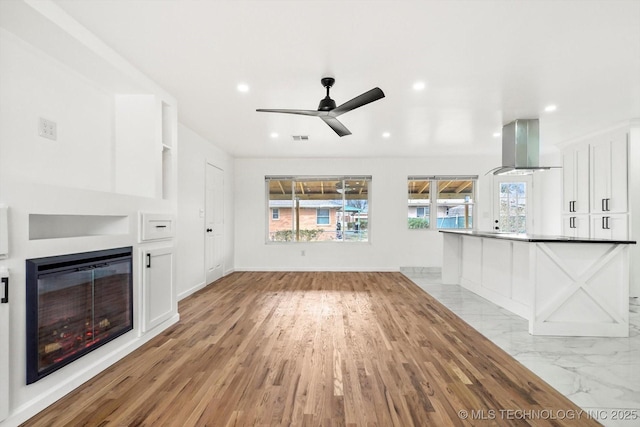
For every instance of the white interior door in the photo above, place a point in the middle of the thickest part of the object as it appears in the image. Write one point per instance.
(512, 212)
(214, 222)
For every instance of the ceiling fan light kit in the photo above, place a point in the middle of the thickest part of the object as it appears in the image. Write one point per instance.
(327, 110)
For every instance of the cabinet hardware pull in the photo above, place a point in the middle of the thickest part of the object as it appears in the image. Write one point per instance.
(148, 260)
(161, 226)
(571, 223)
(607, 204)
(608, 228)
(603, 225)
(603, 208)
(5, 298)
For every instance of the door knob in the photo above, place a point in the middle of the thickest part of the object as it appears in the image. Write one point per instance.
(209, 230)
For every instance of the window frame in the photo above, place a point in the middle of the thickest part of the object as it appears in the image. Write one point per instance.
(295, 182)
(434, 203)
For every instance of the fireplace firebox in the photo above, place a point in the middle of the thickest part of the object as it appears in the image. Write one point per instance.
(75, 304)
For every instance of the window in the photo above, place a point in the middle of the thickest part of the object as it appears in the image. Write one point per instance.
(322, 217)
(452, 198)
(275, 213)
(313, 209)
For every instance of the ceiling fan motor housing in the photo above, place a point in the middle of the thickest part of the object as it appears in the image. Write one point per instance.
(327, 104)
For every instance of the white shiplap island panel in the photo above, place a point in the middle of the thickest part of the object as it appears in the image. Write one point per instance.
(561, 285)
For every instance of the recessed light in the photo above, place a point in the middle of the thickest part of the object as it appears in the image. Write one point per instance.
(243, 87)
(550, 108)
(386, 134)
(496, 134)
(274, 135)
(419, 86)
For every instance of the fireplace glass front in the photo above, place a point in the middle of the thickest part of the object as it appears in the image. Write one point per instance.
(75, 304)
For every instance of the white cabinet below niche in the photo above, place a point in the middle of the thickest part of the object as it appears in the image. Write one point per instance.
(158, 286)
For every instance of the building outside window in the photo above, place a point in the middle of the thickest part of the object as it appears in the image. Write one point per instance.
(446, 201)
(275, 213)
(317, 208)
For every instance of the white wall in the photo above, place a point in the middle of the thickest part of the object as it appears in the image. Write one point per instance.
(34, 85)
(391, 244)
(195, 153)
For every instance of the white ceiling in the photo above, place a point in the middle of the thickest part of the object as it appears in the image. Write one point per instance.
(484, 64)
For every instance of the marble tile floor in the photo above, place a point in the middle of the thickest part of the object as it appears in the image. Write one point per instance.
(601, 375)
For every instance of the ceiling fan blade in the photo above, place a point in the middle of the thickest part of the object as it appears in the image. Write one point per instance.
(360, 100)
(301, 112)
(335, 124)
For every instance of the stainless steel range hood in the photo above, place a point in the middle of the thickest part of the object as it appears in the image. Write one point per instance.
(520, 148)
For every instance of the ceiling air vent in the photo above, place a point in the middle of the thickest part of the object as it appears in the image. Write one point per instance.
(300, 137)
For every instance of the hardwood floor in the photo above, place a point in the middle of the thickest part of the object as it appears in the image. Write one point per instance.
(322, 348)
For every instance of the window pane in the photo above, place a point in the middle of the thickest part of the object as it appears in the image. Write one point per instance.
(513, 207)
(354, 218)
(316, 212)
(322, 217)
(280, 201)
(455, 203)
(307, 209)
(419, 203)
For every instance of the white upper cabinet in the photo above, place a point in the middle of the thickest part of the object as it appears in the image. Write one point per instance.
(595, 199)
(575, 174)
(609, 175)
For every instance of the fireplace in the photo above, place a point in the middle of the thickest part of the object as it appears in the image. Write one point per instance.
(75, 304)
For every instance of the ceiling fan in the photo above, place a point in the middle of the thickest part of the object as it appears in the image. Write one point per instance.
(327, 109)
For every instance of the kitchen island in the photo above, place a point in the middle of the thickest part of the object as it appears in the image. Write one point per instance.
(561, 285)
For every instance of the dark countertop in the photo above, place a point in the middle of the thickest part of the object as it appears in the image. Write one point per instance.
(534, 237)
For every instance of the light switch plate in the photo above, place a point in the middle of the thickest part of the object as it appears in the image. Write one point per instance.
(48, 129)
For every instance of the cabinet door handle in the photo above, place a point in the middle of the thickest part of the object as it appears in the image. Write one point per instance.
(148, 260)
(5, 298)
(603, 224)
(607, 204)
(608, 228)
(602, 205)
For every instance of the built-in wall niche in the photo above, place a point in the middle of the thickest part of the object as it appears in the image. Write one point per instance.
(52, 226)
